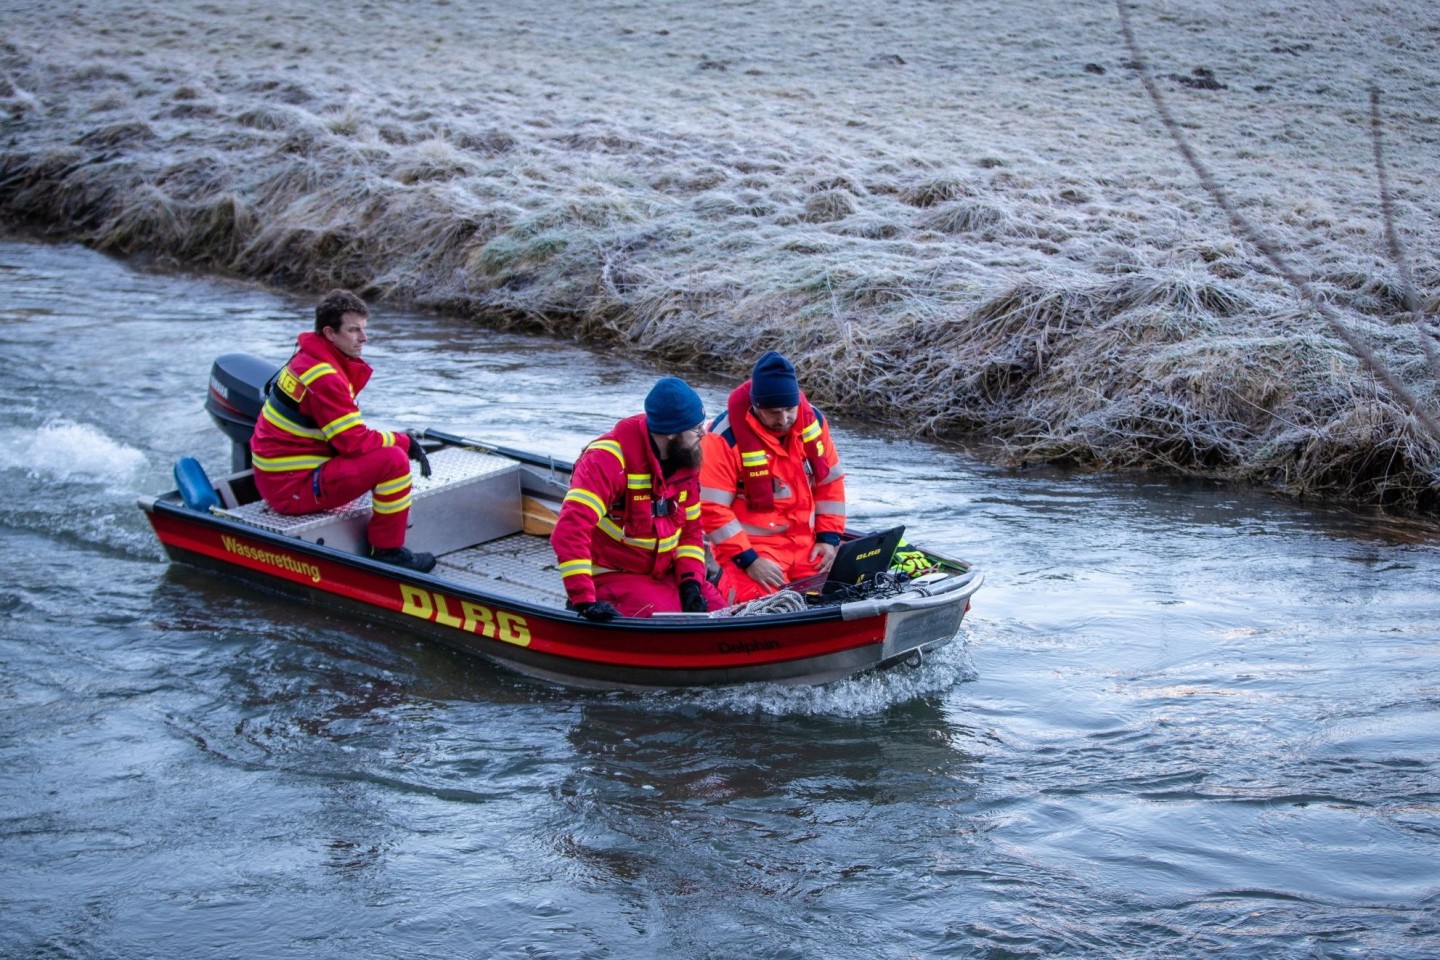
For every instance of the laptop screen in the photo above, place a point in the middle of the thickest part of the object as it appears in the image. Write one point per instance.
(857, 561)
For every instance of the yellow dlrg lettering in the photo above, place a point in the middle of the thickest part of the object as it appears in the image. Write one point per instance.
(416, 602)
(473, 617)
(514, 629)
(442, 612)
(478, 619)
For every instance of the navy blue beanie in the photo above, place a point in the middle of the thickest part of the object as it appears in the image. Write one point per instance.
(773, 383)
(672, 407)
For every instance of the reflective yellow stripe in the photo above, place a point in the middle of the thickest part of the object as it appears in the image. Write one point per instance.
(391, 506)
(284, 464)
(341, 424)
(391, 487)
(276, 416)
(810, 432)
(576, 568)
(612, 530)
(316, 372)
(692, 512)
(609, 446)
(670, 542)
(752, 458)
(637, 481)
(689, 552)
(583, 496)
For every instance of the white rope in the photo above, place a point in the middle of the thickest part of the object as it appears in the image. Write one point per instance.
(785, 601)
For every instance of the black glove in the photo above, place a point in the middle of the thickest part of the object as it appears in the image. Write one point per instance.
(417, 453)
(691, 599)
(599, 611)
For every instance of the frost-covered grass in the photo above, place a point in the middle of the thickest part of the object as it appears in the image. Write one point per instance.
(957, 218)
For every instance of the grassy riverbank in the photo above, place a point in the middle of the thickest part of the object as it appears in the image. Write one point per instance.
(957, 218)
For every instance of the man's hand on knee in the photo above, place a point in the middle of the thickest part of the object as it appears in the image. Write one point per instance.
(766, 572)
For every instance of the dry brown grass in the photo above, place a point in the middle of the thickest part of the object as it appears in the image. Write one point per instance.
(1018, 259)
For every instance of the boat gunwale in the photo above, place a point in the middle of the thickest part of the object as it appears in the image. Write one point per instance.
(170, 503)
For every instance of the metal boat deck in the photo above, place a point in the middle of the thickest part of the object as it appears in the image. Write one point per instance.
(468, 513)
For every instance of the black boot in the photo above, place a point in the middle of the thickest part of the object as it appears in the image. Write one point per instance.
(402, 557)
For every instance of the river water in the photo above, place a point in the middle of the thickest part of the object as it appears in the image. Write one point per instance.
(1181, 720)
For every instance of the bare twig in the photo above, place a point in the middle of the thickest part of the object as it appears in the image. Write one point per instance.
(1242, 226)
(1392, 240)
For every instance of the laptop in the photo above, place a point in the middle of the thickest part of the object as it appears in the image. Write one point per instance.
(856, 562)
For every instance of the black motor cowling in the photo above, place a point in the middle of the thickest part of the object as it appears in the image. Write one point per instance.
(236, 394)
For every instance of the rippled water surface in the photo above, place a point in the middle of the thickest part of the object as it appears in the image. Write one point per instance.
(1181, 720)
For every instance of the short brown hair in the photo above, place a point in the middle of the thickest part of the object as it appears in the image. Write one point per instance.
(336, 304)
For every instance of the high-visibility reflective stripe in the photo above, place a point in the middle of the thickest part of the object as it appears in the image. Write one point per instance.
(837, 470)
(284, 464)
(716, 495)
(637, 481)
(392, 487)
(341, 424)
(576, 568)
(755, 531)
(390, 506)
(387, 438)
(692, 512)
(612, 530)
(728, 531)
(316, 372)
(752, 458)
(830, 506)
(585, 497)
(690, 552)
(277, 416)
(609, 446)
(810, 432)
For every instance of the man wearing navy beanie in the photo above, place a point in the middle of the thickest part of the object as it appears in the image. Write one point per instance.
(628, 538)
(772, 486)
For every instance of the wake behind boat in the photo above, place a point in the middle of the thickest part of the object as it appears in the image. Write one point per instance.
(486, 513)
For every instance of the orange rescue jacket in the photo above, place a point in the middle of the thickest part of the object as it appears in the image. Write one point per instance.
(804, 511)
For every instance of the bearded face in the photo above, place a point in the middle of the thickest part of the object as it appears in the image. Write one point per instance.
(680, 450)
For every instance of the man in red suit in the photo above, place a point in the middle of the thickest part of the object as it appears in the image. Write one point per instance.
(628, 538)
(312, 451)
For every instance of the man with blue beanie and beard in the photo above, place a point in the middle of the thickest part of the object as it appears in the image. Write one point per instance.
(628, 538)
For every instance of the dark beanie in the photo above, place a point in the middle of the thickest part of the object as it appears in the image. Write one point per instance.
(773, 383)
(672, 407)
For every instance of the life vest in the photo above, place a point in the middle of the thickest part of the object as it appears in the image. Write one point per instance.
(630, 443)
(755, 462)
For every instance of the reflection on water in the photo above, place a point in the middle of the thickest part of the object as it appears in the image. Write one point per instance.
(1182, 720)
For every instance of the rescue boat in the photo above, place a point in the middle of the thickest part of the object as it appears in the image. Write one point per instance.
(485, 513)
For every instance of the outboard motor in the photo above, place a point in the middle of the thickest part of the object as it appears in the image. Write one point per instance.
(237, 392)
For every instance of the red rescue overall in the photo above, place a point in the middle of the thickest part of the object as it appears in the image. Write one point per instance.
(627, 534)
(312, 451)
